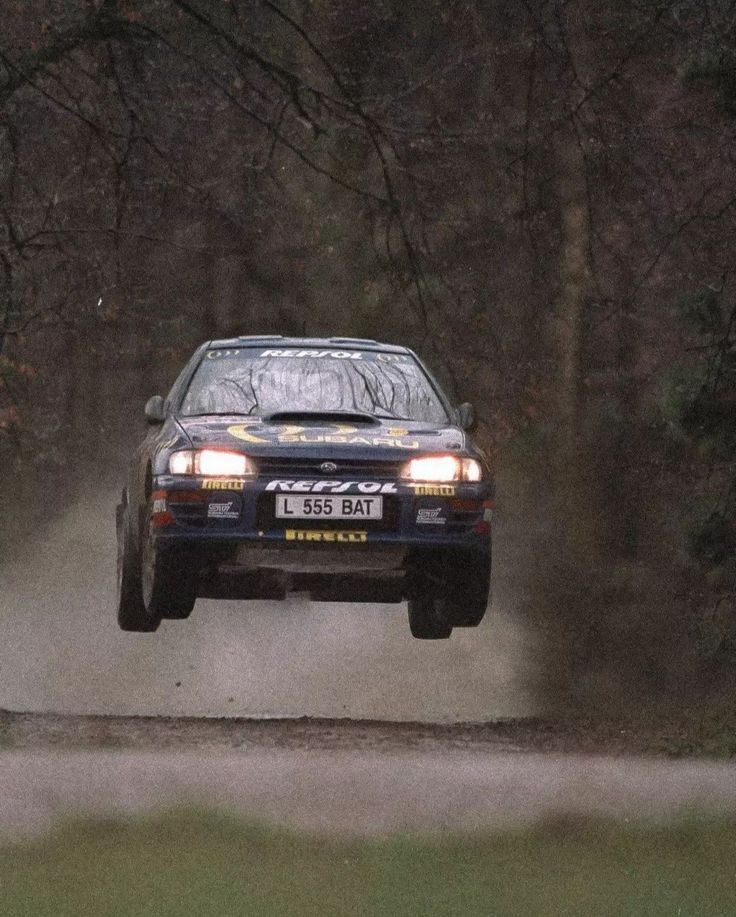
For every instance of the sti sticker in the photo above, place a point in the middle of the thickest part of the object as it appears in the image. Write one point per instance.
(223, 511)
(431, 516)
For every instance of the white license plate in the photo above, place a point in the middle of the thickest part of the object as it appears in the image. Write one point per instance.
(293, 506)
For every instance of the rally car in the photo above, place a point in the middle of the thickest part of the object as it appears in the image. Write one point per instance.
(332, 467)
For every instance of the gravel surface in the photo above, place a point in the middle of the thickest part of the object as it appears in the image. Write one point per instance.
(333, 776)
(644, 735)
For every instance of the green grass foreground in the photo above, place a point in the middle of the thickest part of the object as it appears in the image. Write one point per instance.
(201, 864)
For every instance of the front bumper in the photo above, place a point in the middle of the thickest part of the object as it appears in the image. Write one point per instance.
(211, 511)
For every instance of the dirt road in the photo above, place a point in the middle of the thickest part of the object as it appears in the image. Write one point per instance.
(63, 651)
(334, 776)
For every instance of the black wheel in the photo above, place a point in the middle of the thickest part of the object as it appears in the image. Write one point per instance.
(428, 617)
(132, 613)
(167, 581)
(469, 598)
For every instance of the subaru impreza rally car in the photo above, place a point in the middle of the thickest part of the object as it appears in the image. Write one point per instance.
(333, 467)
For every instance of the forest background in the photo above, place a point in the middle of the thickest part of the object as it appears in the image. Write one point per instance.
(537, 195)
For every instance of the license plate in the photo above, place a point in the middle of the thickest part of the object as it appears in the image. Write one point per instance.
(293, 506)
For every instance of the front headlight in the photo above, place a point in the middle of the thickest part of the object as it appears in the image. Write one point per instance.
(211, 463)
(442, 468)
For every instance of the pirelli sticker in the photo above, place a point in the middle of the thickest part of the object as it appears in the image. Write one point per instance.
(434, 490)
(325, 535)
(222, 484)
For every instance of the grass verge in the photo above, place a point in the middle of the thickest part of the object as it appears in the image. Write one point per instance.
(195, 863)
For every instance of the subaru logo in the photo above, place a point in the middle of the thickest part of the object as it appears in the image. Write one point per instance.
(328, 467)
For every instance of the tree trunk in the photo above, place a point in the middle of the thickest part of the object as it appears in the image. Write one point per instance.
(575, 283)
(573, 466)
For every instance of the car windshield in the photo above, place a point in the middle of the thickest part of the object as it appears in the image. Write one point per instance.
(262, 382)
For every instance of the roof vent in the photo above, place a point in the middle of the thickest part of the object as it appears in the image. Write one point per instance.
(260, 337)
(353, 341)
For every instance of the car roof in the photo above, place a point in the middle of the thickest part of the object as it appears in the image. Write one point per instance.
(278, 340)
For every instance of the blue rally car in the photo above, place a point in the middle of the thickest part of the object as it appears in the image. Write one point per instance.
(334, 467)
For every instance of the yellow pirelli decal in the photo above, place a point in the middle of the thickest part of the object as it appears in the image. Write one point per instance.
(325, 535)
(434, 490)
(222, 484)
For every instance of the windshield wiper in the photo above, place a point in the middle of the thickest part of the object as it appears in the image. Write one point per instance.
(220, 414)
(385, 416)
(327, 416)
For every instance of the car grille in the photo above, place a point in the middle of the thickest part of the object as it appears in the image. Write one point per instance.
(346, 468)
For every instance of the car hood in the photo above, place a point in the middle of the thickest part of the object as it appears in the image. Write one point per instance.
(388, 439)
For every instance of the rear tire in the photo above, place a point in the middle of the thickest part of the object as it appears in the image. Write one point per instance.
(167, 579)
(131, 611)
(428, 617)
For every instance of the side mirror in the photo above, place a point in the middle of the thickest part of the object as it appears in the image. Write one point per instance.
(466, 416)
(154, 410)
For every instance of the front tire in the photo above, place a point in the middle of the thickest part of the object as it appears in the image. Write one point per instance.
(131, 611)
(167, 581)
(470, 594)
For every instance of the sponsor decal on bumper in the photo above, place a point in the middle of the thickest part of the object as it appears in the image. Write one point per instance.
(434, 490)
(222, 484)
(431, 516)
(325, 535)
(222, 511)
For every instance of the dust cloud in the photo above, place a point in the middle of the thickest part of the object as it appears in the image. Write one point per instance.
(63, 652)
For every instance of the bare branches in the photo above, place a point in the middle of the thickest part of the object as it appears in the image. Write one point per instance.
(101, 24)
(595, 87)
(280, 99)
(295, 86)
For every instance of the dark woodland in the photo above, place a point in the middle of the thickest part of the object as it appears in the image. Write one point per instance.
(539, 196)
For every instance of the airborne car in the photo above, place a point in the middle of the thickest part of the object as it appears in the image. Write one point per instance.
(334, 467)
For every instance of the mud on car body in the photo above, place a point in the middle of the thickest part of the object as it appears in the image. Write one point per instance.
(333, 467)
